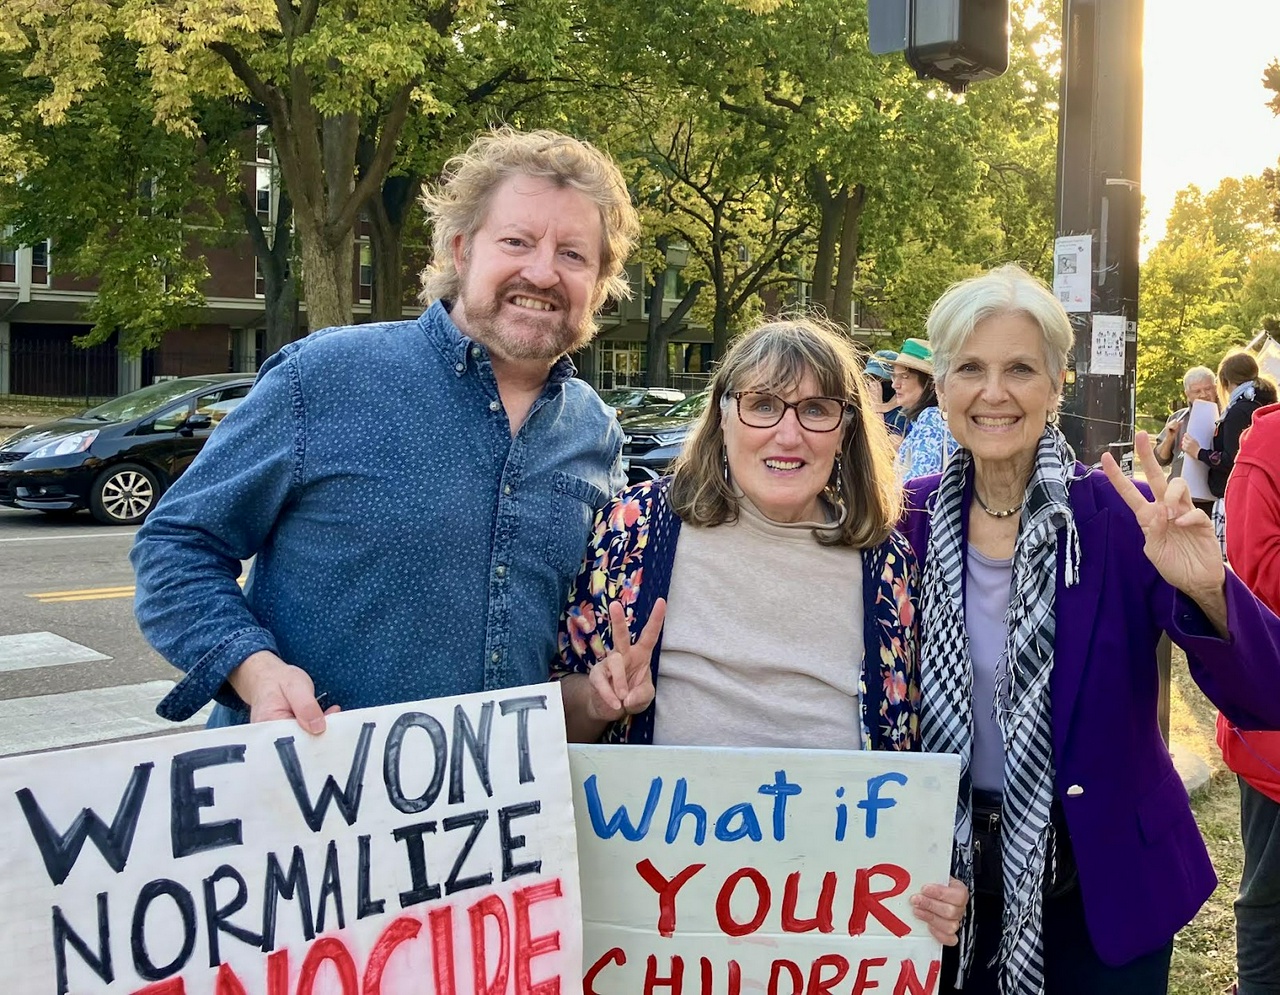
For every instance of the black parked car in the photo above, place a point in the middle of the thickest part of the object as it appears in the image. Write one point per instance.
(118, 458)
(652, 442)
(629, 402)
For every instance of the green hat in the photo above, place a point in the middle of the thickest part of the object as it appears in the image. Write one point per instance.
(915, 354)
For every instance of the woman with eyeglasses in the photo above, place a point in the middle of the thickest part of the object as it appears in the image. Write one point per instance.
(927, 444)
(761, 586)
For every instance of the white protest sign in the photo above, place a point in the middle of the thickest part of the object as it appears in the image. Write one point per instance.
(426, 847)
(1200, 426)
(716, 872)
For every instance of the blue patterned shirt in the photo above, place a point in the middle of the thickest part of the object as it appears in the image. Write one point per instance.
(927, 447)
(406, 545)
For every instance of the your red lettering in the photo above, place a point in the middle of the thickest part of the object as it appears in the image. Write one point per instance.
(329, 949)
(792, 969)
(614, 956)
(728, 925)
(528, 946)
(862, 983)
(227, 983)
(818, 985)
(909, 982)
(667, 890)
(821, 920)
(440, 922)
(735, 977)
(490, 907)
(674, 981)
(867, 902)
(399, 931)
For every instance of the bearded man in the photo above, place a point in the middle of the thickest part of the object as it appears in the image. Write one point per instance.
(416, 495)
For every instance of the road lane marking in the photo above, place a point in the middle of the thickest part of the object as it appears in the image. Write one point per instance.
(30, 650)
(77, 718)
(90, 594)
(114, 534)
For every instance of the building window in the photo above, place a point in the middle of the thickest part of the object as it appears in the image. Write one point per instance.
(40, 263)
(622, 364)
(263, 145)
(259, 281)
(265, 203)
(366, 272)
(8, 258)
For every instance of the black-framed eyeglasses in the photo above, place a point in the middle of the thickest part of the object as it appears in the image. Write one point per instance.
(757, 409)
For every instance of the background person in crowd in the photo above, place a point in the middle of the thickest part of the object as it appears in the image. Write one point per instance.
(771, 556)
(1043, 594)
(1253, 550)
(880, 366)
(417, 494)
(927, 444)
(1241, 391)
(1198, 384)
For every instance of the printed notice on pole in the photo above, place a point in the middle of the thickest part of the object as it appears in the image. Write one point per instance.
(1107, 352)
(410, 848)
(787, 871)
(1072, 271)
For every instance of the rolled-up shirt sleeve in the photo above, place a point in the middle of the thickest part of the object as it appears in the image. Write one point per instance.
(187, 556)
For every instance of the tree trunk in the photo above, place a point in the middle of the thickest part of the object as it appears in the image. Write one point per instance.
(661, 329)
(388, 211)
(275, 258)
(326, 275)
(831, 212)
(847, 269)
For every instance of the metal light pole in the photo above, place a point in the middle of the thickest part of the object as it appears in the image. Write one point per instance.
(1099, 161)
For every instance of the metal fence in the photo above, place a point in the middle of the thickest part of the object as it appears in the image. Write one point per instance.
(52, 368)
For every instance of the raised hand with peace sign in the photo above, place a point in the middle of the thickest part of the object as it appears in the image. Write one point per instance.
(621, 683)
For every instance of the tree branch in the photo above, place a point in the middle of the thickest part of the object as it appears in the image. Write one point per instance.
(380, 163)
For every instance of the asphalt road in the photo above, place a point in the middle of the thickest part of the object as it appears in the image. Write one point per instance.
(73, 666)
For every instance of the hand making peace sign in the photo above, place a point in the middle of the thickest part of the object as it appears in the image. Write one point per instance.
(622, 683)
(1180, 539)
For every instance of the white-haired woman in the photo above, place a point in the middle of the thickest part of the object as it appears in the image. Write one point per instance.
(771, 555)
(1044, 591)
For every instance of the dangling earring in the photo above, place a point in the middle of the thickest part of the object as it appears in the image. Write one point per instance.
(837, 492)
(724, 463)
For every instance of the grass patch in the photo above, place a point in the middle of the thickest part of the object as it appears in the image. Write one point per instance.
(17, 412)
(1204, 954)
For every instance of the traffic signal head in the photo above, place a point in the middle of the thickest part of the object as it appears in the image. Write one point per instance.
(956, 41)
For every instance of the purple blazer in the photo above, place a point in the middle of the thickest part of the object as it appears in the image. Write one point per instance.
(1144, 870)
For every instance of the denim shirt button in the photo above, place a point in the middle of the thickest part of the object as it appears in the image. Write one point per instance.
(506, 489)
(495, 406)
(475, 352)
(495, 656)
(501, 571)
(460, 367)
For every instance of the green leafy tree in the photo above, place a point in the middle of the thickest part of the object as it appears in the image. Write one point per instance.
(1183, 308)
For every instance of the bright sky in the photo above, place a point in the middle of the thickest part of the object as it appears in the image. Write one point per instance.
(1205, 114)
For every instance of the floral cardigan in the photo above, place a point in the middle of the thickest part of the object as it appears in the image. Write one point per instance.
(629, 559)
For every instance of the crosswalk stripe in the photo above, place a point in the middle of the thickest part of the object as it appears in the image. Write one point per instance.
(122, 588)
(76, 718)
(33, 650)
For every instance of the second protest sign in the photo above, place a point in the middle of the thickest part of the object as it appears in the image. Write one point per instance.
(790, 872)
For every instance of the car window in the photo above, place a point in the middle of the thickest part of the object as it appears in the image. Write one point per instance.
(140, 402)
(690, 407)
(168, 421)
(218, 404)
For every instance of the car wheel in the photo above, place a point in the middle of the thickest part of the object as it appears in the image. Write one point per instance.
(124, 494)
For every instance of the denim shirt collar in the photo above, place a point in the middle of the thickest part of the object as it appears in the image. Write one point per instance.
(457, 350)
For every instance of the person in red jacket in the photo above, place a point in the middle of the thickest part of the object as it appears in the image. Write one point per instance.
(1253, 550)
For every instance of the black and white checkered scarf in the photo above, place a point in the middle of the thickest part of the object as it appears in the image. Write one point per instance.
(1022, 694)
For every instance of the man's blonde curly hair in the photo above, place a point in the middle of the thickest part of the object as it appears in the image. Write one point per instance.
(459, 203)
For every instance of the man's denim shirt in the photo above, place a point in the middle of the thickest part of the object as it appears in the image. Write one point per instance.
(407, 546)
